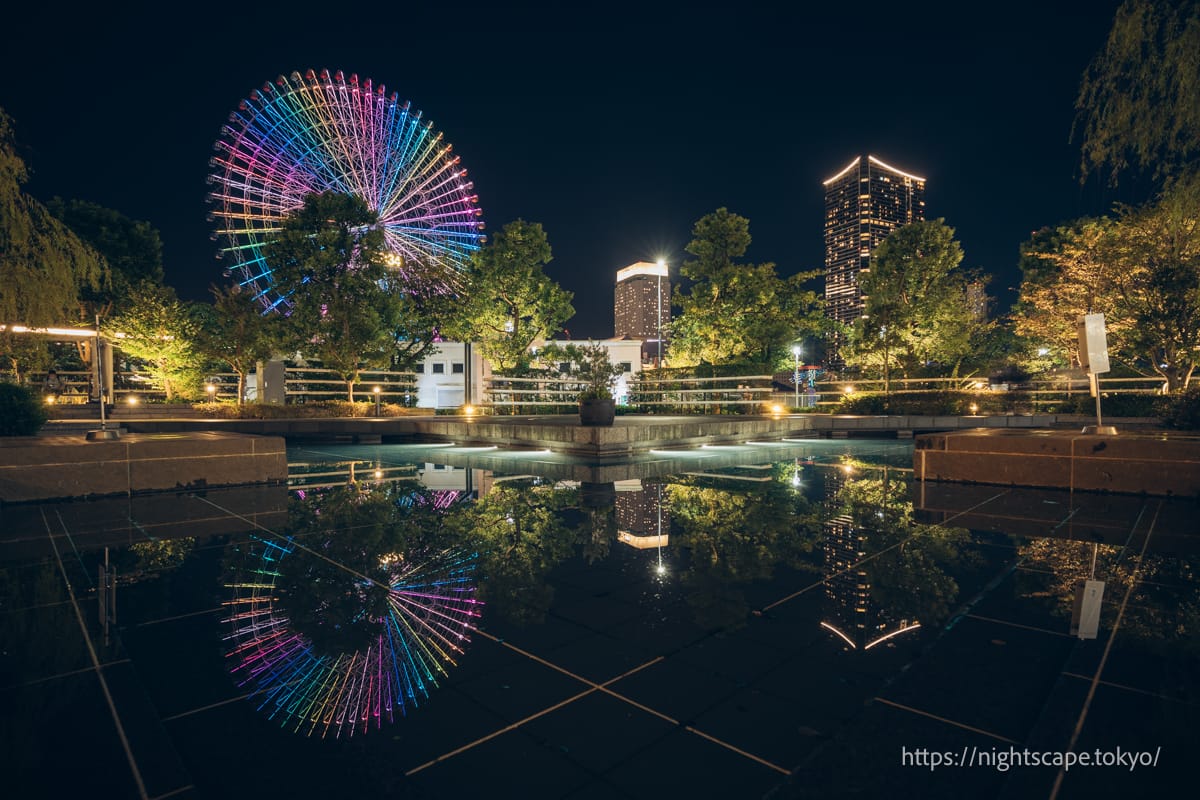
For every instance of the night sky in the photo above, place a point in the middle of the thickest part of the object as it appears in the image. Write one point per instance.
(616, 126)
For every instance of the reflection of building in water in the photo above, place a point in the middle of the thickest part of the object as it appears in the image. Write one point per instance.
(642, 520)
(851, 613)
(457, 481)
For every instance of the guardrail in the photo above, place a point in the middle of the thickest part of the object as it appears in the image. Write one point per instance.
(302, 384)
(738, 394)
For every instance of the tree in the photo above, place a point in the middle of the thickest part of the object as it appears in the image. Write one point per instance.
(508, 301)
(735, 311)
(1065, 275)
(589, 365)
(158, 329)
(235, 331)
(345, 304)
(1153, 255)
(1141, 270)
(43, 266)
(917, 317)
(1139, 101)
(131, 248)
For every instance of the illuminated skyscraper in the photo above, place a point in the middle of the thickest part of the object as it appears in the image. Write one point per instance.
(642, 305)
(864, 202)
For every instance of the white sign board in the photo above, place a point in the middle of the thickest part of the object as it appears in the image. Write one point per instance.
(1085, 617)
(1093, 343)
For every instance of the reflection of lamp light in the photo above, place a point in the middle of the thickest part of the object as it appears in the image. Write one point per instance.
(661, 570)
(796, 375)
(662, 267)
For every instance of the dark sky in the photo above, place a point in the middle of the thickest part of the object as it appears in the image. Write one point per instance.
(616, 126)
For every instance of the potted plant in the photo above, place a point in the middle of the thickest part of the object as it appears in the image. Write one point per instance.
(590, 366)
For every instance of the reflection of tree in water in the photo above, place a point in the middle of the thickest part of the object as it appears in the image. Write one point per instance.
(520, 534)
(1163, 612)
(158, 555)
(337, 591)
(354, 612)
(905, 579)
(733, 536)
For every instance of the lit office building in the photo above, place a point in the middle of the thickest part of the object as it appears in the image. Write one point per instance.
(864, 202)
(642, 305)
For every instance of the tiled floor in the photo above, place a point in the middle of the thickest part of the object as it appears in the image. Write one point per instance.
(621, 690)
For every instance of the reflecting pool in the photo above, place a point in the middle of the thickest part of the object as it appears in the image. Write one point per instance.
(783, 620)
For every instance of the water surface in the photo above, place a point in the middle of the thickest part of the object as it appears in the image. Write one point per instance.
(786, 620)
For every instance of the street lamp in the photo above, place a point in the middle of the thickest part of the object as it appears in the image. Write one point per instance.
(796, 376)
(662, 268)
(376, 390)
(212, 392)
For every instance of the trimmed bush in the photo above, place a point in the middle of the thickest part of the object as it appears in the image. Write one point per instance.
(1116, 405)
(941, 403)
(322, 409)
(1183, 411)
(22, 412)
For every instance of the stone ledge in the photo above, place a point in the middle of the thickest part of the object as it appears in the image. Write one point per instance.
(53, 467)
(1158, 464)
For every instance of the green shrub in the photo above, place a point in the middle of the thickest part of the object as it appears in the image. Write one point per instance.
(941, 403)
(22, 412)
(1183, 411)
(1116, 405)
(321, 409)
(938, 403)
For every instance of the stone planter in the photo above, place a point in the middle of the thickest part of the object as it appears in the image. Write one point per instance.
(598, 412)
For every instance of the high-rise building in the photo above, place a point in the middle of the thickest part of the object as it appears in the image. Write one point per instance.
(864, 202)
(642, 305)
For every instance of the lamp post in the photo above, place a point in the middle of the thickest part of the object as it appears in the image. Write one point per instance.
(662, 267)
(796, 375)
(376, 390)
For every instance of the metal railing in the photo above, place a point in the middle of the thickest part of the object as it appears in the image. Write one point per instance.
(738, 394)
(507, 395)
(301, 384)
(304, 384)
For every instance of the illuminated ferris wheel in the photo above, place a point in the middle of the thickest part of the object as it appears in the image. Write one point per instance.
(423, 624)
(319, 133)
